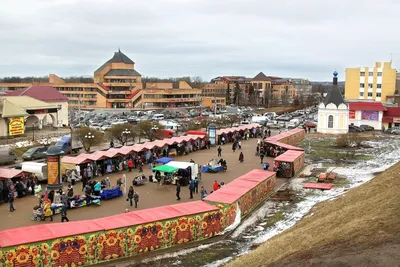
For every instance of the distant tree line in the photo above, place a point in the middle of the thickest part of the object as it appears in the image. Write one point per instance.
(195, 81)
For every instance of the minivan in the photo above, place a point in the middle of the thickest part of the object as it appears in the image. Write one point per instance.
(158, 117)
(7, 156)
(33, 153)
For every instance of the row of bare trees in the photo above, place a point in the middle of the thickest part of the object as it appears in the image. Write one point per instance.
(122, 133)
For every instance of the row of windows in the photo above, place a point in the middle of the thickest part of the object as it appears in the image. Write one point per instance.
(371, 85)
(170, 96)
(76, 89)
(214, 90)
(371, 73)
(120, 80)
(370, 94)
(86, 103)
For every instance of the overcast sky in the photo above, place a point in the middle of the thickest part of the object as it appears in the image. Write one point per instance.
(207, 38)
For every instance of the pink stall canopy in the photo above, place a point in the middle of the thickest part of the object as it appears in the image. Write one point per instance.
(236, 129)
(33, 234)
(10, 173)
(288, 147)
(80, 159)
(137, 147)
(289, 156)
(256, 175)
(280, 136)
(113, 152)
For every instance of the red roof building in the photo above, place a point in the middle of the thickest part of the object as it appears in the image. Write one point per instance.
(366, 113)
(42, 93)
(370, 106)
(391, 117)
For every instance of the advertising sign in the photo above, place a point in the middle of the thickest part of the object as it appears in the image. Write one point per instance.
(352, 114)
(396, 119)
(53, 170)
(16, 126)
(369, 115)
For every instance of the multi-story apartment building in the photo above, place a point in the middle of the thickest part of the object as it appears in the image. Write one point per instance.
(214, 89)
(231, 82)
(371, 83)
(302, 86)
(117, 84)
(262, 85)
(283, 89)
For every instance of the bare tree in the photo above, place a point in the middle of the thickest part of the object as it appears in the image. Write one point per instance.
(150, 130)
(123, 133)
(89, 137)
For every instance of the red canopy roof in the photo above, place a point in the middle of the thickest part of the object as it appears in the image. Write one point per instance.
(10, 173)
(80, 159)
(289, 156)
(43, 93)
(289, 147)
(280, 136)
(33, 234)
(371, 106)
(119, 221)
(256, 175)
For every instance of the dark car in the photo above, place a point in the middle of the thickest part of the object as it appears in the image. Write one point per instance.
(355, 129)
(33, 153)
(367, 127)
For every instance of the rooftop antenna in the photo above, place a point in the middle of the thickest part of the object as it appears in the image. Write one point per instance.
(391, 57)
(119, 49)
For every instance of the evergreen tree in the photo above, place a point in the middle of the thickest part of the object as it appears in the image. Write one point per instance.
(228, 95)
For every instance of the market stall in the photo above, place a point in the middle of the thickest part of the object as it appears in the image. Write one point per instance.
(213, 166)
(111, 193)
(168, 177)
(187, 171)
(289, 163)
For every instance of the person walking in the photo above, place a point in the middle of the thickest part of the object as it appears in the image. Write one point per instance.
(11, 202)
(219, 151)
(240, 144)
(178, 191)
(130, 165)
(196, 185)
(191, 188)
(64, 214)
(241, 157)
(136, 198)
(130, 195)
(262, 156)
(97, 189)
(234, 146)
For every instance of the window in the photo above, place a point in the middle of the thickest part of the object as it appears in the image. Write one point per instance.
(370, 85)
(362, 74)
(361, 93)
(361, 85)
(379, 85)
(369, 94)
(330, 121)
(378, 94)
(379, 74)
(371, 73)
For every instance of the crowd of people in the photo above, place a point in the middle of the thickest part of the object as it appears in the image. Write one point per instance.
(23, 187)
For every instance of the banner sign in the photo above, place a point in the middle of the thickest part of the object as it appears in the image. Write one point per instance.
(53, 170)
(352, 114)
(16, 126)
(396, 119)
(369, 115)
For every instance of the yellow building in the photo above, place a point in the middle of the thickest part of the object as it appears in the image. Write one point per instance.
(211, 101)
(262, 85)
(117, 84)
(377, 83)
(283, 89)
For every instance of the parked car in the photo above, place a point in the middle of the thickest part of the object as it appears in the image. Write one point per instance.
(7, 156)
(355, 129)
(367, 127)
(392, 130)
(37, 152)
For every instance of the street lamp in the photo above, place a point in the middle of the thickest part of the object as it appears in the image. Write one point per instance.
(126, 133)
(89, 136)
(44, 142)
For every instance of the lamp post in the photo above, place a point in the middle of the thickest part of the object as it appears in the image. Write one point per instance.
(89, 136)
(126, 133)
(33, 131)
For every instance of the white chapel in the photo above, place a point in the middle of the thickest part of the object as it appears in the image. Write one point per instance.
(333, 112)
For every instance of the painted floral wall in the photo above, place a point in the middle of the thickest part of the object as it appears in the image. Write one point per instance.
(126, 242)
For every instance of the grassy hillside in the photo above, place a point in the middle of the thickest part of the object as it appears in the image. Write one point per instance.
(361, 228)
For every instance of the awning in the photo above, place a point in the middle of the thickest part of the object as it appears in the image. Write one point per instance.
(180, 164)
(165, 168)
(80, 159)
(289, 156)
(164, 160)
(10, 173)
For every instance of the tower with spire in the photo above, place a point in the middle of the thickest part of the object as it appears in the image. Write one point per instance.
(333, 112)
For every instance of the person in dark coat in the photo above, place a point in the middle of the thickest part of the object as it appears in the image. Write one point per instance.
(191, 188)
(11, 202)
(219, 151)
(178, 191)
(64, 214)
(136, 199)
(241, 157)
(51, 196)
(20, 189)
(130, 195)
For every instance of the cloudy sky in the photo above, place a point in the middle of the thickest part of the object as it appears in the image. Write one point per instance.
(207, 38)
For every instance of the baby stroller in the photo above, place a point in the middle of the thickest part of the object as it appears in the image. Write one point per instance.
(38, 215)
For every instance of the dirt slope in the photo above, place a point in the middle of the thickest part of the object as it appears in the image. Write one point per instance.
(361, 228)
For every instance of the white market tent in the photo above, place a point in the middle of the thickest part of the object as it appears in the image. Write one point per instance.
(184, 165)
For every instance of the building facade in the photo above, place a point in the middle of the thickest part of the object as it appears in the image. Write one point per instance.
(233, 82)
(371, 83)
(283, 90)
(366, 113)
(262, 85)
(117, 84)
